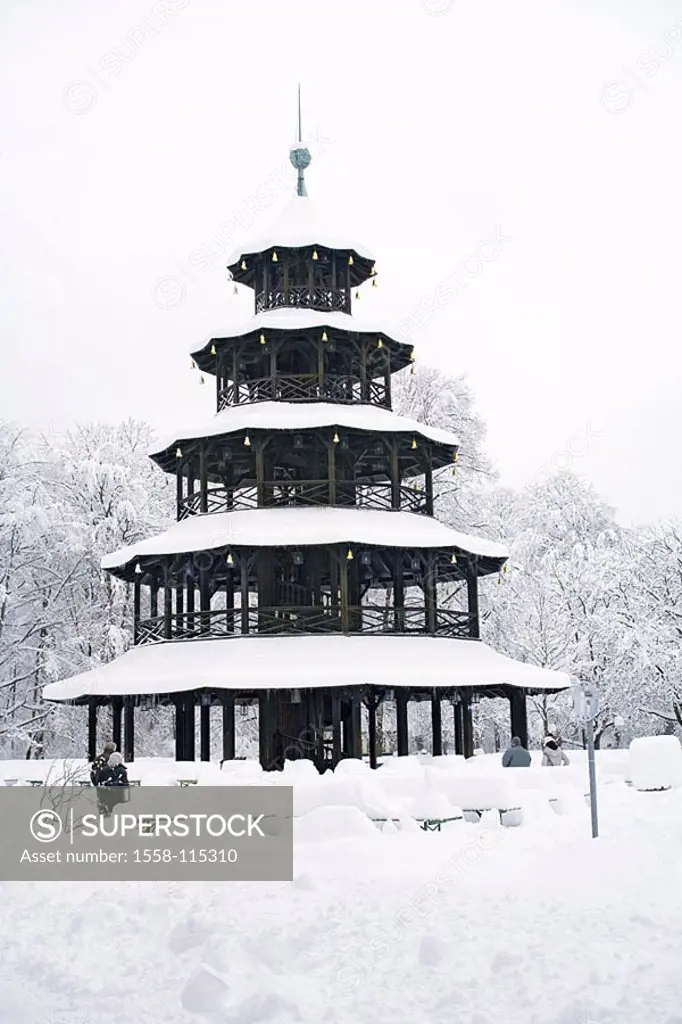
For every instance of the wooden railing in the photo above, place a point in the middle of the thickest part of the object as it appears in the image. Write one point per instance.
(340, 389)
(302, 297)
(292, 620)
(305, 492)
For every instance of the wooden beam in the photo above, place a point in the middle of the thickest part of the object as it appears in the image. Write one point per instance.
(331, 471)
(430, 592)
(401, 700)
(343, 570)
(178, 490)
(137, 598)
(116, 716)
(395, 474)
(436, 724)
(472, 598)
(179, 728)
(457, 722)
(228, 726)
(190, 726)
(428, 481)
(336, 727)
(372, 730)
(205, 731)
(518, 714)
(244, 591)
(399, 592)
(129, 728)
(467, 725)
(203, 479)
(92, 728)
(167, 600)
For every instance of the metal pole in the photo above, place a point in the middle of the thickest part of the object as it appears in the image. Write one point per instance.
(593, 776)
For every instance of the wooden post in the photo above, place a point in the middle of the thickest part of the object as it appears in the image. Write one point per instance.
(260, 473)
(244, 590)
(355, 727)
(116, 714)
(235, 377)
(395, 474)
(436, 725)
(401, 699)
(190, 726)
(518, 714)
(430, 592)
(428, 482)
(467, 725)
(331, 471)
(399, 592)
(472, 599)
(92, 728)
(372, 730)
(190, 603)
(167, 601)
(129, 728)
(137, 594)
(205, 730)
(203, 479)
(343, 568)
(265, 730)
(179, 728)
(229, 601)
(318, 698)
(178, 492)
(204, 600)
(179, 610)
(336, 728)
(459, 736)
(228, 726)
(154, 599)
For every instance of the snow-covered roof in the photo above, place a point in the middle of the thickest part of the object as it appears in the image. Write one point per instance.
(300, 224)
(294, 319)
(303, 416)
(257, 663)
(301, 527)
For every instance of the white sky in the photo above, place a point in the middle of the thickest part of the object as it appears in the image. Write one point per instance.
(444, 128)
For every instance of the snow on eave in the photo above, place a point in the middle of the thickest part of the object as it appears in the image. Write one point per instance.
(301, 224)
(303, 416)
(256, 663)
(303, 527)
(290, 319)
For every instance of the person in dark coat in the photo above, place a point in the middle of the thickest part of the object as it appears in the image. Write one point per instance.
(516, 756)
(100, 763)
(115, 772)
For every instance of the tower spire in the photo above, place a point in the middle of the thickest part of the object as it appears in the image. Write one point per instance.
(299, 153)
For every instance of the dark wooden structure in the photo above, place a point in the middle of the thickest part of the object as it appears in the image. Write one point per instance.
(231, 591)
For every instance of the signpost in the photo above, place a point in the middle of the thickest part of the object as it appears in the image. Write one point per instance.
(586, 704)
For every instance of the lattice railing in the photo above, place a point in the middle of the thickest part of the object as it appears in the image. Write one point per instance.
(292, 620)
(340, 389)
(302, 297)
(305, 492)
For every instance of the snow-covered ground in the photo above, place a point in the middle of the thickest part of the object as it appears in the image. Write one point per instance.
(477, 924)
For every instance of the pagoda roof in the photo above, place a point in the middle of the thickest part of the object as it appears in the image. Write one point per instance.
(306, 527)
(293, 416)
(287, 319)
(257, 663)
(301, 224)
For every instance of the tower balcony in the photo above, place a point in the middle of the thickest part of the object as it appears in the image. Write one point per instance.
(325, 299)
(306, 387)
(292, 493)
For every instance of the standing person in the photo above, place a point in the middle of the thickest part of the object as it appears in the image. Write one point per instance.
(516, 755)
(100, 763)
(115, 772)
(552, 754)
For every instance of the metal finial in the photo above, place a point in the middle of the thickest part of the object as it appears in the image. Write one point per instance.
(300, 154)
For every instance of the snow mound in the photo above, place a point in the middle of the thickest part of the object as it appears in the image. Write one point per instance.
(204, 992)
(656, 763)
(480, 794)
(332, 823)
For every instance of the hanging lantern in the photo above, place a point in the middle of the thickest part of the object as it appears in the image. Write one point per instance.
(336, 438)
(324, 336)
(350, 260)
(412, 356)
(194, 365)
(349, 555)
(235, 290)
(243, 264)
(373, 270)
(505, 567)
(275, 257)
(453, 560)
(138, 569)
(374, 283)
(201, 379)
(414, 443)
(262, 339)
(500, 579)
(357, 294)
(380, 343)
(454, 455)
(315, 256)
(454, 471)
(413, 370)
(213, 351)
(229, 560)
(247, 441)
(178, 453)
